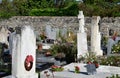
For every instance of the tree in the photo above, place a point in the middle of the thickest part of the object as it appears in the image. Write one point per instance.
(6, 9)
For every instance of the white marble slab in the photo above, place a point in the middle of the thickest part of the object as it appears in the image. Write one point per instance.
(102, 72)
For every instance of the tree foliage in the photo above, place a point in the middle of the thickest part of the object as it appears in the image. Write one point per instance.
(102, 8)
(59, 8)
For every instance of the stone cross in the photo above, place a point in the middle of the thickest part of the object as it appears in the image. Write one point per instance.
(81, 22)
(96, 36)
(23, 53)
(82, 48)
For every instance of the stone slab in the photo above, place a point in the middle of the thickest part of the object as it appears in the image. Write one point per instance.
(102, 72)
(81, 44)
(23, 76)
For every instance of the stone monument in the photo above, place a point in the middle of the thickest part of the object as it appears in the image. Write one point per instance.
(50, 32)
(4, 35)
(96, 36)
(23, 53)
(81, 37)
(110, 43)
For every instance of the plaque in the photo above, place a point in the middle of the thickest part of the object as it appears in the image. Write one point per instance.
(91, 69)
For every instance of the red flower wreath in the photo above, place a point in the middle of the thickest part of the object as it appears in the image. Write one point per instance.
(28, 62)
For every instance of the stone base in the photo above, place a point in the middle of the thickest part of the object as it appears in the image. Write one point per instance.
(82, 44)
(68, 72)
(23, 76)
(99, 53)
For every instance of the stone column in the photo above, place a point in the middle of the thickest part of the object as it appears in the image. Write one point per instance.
(81, 37)
(23, 53)
(96, 36)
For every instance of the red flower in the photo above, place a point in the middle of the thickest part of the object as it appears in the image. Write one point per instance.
(96, 65)
(54, 66)
(77, 68)
(89, 62)
(29, 58)
(28, 62)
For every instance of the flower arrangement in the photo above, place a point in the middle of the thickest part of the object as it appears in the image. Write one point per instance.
(28, 62)
(56, 68)
(77, 69)
(116, 48)
(94, 62)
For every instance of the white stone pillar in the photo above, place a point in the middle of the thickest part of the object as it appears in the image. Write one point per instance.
(23, 53)
(81, 37)
(96, 36)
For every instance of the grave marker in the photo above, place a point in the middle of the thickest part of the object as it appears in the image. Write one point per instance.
(96, 37)
(81, 37)
(91, 69)
(4, 35)
(23, 53)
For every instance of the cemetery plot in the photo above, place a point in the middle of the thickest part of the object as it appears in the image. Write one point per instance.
(102, 71)
(23, 45)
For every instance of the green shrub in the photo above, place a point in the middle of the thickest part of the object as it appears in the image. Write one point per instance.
(101, 8)
(43, 12)
(5, 14)
(102, 60)
(70, 51)
(114, 76)
(66, 11)
(90, 57)
(116, 48)
(110, 60)
(71, 10)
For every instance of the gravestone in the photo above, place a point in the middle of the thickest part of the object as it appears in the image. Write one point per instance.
(4, 35)
(23, 53)
(110, 44)
(50, 32)
(81, 37)
(117, 39)
(64, 32)
(96, 36)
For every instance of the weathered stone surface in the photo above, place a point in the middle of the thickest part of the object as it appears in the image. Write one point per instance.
(4, 35)
(82, 47)
(96, 36)
(23, 47)
(39, 22)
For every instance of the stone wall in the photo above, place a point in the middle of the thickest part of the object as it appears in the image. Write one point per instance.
(71, 23)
